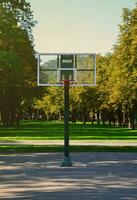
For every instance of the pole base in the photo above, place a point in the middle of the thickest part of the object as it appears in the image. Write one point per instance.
(66, 162)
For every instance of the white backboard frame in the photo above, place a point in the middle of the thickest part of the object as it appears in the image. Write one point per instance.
(59, 69)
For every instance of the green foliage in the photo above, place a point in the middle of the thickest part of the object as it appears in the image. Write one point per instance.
(51, 103)
(17, 62)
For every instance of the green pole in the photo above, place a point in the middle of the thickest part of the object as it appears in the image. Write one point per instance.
(66, 161)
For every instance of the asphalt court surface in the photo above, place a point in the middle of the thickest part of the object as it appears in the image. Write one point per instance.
(38, 176)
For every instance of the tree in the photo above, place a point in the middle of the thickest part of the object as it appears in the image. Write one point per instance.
(17, 62)
(51, 104)
(124, 90)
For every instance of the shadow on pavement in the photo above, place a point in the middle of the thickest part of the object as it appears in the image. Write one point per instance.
(101, 176)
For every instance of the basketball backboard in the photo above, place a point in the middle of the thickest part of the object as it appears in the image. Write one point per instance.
(79, 68)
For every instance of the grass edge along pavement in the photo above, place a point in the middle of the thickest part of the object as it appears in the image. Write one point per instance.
(60, 148)
(42, 130)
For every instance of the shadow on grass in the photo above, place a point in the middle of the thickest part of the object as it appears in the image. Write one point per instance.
(60, 148)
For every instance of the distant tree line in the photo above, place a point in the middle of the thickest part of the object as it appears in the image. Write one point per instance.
(113, 100)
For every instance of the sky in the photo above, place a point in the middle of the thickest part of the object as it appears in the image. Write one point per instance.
(79, 26)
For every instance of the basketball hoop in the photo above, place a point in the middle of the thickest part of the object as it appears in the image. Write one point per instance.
(66, 69)
(67, 82)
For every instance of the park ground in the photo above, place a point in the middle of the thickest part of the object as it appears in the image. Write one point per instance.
(102, 169)
(41, 136)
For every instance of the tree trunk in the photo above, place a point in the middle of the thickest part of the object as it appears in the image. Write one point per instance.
(120, 116)
(74, 116)
(98, 117)
(103, 117)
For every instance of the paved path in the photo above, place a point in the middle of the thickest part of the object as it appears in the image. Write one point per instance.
(94, 176)
(72, 142)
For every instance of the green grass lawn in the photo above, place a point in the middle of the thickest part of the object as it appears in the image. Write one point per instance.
(40, 130)
(60, 148)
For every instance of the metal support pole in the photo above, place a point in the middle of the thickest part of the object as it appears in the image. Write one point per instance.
(66, 161)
